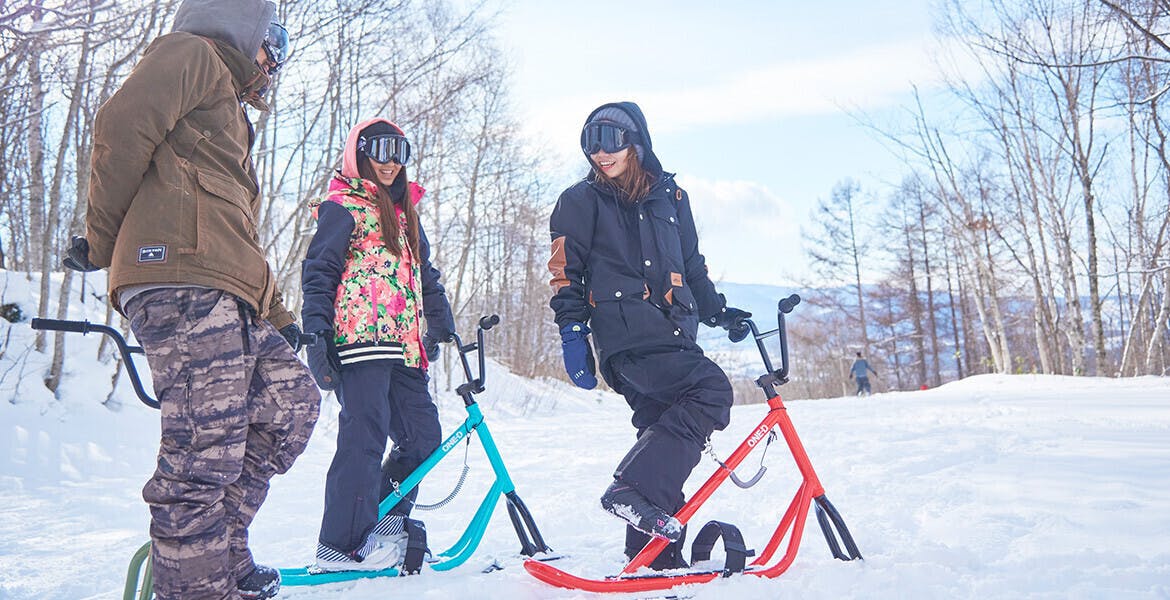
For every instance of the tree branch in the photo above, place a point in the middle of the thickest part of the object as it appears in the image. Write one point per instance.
(1125, 14)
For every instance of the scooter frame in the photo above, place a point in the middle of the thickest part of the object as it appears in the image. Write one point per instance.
(462, 549)
(791, 524)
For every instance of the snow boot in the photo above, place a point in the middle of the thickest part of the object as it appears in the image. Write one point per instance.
(263, 582)
(626, 503)
(374, 555)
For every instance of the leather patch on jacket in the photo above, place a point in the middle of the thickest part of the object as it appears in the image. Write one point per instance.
(669, 296)
(676, 279)
(556, 265)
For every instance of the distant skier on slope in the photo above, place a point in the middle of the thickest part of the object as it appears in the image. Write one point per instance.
(860, 371)
(625, 260)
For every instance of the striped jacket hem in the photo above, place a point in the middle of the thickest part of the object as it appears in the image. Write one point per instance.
(362, 352)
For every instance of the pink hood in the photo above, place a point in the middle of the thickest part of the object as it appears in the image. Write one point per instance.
(349, 169)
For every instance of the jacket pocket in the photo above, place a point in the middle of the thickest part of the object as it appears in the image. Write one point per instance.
(227, 231)
(683, 298)
(164, 212)
(223, 188)
(667, 234)
(617, 289)
(610, 330)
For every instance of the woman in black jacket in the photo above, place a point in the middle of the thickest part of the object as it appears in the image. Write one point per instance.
(626, 267)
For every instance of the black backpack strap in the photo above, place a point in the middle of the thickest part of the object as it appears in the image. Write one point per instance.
(733, 546)
(416, 546)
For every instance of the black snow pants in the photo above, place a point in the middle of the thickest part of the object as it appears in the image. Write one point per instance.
(380, 400)
(678, 397)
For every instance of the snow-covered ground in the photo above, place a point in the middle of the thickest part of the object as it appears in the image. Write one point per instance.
(991, 487)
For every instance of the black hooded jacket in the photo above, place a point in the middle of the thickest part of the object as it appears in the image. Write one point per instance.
(632, 270)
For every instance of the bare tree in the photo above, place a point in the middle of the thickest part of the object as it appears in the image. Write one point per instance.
(486, 206)
(836, 248)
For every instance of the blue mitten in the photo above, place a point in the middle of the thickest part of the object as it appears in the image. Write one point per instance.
(579, 362)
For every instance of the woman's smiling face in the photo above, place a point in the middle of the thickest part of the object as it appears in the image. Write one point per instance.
(612, 165)
(386, 173)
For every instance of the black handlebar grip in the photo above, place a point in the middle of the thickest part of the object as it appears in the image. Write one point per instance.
(488, 322)
(59, 325)
(789, 303)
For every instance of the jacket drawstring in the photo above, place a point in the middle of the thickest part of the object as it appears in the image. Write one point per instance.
(245, 319)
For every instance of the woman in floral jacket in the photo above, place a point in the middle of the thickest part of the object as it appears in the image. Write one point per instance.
(368, 282)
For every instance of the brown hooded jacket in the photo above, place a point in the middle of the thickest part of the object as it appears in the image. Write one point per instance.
(173, 197)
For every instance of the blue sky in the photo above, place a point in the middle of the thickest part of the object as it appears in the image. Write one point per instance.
(746, 102)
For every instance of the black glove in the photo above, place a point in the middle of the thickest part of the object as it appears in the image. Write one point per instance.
(430, 346)
(578, 355)
(431, 340)
(292, 335)
(731, 319)
(323, 361)
(77, 256)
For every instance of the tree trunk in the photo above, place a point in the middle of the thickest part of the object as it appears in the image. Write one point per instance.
(38, 216)
(915, 306)
(932, 320)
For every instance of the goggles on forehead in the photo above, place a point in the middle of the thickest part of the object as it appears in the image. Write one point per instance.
(609, 137)
(385, 148)
(276, 45)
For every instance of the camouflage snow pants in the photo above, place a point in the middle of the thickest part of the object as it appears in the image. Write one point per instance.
(237, 408)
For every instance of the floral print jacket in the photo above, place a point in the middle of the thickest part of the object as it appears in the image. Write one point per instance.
(372, 300)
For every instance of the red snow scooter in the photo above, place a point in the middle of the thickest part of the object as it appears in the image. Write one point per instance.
(810, 491)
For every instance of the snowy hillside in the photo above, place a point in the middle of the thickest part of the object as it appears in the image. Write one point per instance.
(990, 487)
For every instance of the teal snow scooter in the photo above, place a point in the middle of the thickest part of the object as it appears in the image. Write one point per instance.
(531, 542)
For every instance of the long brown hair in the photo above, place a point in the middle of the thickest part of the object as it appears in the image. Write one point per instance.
(384, 200)
(633, 183)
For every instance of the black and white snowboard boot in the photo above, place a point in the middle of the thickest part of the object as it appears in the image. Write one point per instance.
(628, 504)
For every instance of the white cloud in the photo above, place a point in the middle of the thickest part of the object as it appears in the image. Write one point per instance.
(868, 77)
(747, 233)
(865, 78)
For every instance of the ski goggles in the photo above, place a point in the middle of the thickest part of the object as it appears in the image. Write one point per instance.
(609, 137)
(276, 45)
(385, 148)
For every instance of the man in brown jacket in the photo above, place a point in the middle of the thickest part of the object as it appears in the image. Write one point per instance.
(173, 205)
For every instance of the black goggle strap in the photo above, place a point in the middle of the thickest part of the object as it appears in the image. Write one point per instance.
(385, 148)
(608, 137)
